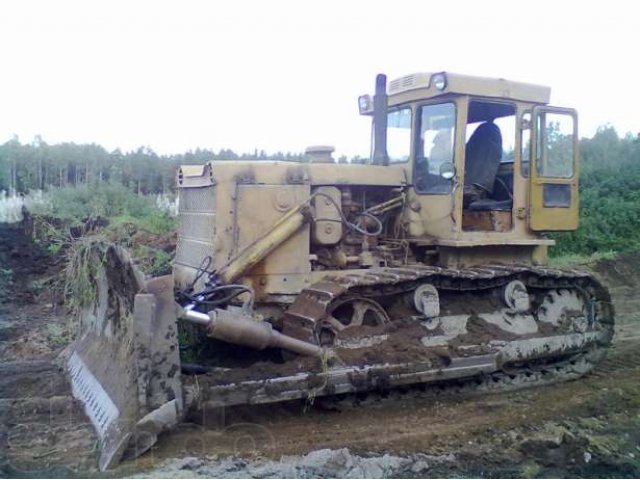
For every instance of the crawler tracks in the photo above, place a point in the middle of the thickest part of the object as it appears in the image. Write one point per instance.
(307, 314)
(567, 348)
(622, 359)
(313, 303)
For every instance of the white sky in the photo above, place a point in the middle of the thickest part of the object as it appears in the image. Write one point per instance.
(282, 75)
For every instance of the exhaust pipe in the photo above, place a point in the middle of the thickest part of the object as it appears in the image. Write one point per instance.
(241, 329)
(380, 156)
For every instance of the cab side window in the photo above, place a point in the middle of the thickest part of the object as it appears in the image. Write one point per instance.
(399, 135)
(555, 152)
(525, 144)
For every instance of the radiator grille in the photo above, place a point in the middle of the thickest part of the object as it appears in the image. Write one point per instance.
(197, 199)
(196, 230)
(199, 226)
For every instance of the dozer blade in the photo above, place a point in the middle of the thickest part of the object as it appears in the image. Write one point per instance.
(124, 365)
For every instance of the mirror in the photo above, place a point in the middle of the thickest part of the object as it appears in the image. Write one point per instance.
(447, 170)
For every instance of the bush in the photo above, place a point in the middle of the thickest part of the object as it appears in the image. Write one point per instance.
(158, 222)
(152, 261)
(609, 197)
(609, 213)
(113, 202)
(72, 214)
(101, 200)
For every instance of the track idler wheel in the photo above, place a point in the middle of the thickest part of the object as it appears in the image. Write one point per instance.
(350, 313)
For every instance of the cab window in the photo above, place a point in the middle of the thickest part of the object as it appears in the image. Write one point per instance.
(434, 152)
(399, 135)
(555, 149)
(525, 143)
(503, 116)
(489, 155)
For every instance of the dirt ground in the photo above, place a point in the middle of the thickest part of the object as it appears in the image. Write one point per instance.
(585, 428)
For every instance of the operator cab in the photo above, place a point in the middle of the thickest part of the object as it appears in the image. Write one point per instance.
(466, 144)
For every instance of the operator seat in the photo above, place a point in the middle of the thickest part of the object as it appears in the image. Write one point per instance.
(483, 153)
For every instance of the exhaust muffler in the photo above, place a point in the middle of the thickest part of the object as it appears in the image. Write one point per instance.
(240, 328)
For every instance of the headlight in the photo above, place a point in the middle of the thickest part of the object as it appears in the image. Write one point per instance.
(439, 80)
(364, 103)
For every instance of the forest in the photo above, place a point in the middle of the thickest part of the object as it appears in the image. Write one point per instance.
(609, 181)
(37, 165)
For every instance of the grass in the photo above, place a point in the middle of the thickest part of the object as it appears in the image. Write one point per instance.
(120, 206)
(40, 284)
(580, 259)
(86, 259)
(69, 214)
(57, 335)
(152, 261)
(84, 201)
(156, 222)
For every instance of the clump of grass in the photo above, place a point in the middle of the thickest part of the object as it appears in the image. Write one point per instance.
(87, 258)
(152, 261)
(57, 335)
(54, 238)
(101, 284)
(530, 469)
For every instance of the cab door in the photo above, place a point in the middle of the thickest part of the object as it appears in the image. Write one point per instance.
(553, 193)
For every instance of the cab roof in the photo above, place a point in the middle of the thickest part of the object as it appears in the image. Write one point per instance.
(422, 86)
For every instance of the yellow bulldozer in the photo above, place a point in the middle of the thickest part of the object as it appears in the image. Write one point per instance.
(301, 280)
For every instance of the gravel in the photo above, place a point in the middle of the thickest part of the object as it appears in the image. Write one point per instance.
(325, 463)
